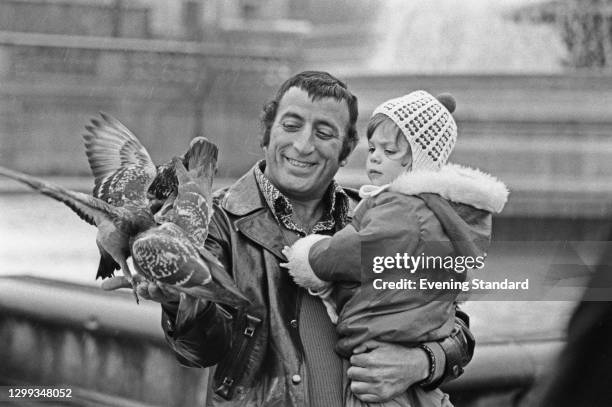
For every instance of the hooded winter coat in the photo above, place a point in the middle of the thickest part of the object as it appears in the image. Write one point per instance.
(442, 217)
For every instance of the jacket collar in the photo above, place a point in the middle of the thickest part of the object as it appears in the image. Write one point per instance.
(243, 197)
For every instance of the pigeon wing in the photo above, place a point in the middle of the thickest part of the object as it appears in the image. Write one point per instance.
(92, 210)
(165, 254)
(122, 167)
(193, 204)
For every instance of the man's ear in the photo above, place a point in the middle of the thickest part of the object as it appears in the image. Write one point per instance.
(351, 147)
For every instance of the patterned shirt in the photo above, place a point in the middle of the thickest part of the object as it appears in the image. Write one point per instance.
(335, 200)
(317, 333)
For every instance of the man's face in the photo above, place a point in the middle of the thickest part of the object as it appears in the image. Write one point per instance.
(306, 138)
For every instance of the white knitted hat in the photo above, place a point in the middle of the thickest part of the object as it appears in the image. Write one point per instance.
(427, 124)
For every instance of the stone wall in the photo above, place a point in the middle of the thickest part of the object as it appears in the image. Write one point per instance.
(104, 18)
(165, 92)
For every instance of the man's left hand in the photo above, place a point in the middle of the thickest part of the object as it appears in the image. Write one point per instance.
(381, 371)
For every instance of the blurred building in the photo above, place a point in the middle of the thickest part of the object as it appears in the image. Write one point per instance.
(168, 70)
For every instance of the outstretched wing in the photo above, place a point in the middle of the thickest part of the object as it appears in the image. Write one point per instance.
(91, 210)
(122, 167)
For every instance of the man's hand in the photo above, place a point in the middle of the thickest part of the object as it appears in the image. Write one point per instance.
(145, 289)
(381, 371)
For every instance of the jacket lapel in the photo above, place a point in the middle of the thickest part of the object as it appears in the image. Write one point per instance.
(261, 227)
(255, 221)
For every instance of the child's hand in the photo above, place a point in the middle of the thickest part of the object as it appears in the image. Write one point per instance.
(298, 266)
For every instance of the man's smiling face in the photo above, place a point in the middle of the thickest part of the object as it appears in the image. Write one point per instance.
(306, 138)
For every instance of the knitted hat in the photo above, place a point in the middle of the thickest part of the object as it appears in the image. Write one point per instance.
(427, 124)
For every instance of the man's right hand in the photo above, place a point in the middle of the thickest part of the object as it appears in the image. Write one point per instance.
(151, 291)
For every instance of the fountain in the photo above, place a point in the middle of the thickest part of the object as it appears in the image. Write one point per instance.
(452, 36)
(524, 113)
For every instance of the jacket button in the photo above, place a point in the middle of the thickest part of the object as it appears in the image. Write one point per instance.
(296, 379)
(293, 323)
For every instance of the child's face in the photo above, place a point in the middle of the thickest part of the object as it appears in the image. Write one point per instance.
(387, 157)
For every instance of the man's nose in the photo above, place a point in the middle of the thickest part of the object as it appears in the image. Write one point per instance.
(303, 141)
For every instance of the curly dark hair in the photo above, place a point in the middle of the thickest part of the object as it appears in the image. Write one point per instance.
(318, 85)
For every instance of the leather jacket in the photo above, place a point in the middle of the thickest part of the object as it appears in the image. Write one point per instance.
(255, 355)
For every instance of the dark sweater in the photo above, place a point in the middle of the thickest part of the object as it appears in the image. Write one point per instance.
(324, 366)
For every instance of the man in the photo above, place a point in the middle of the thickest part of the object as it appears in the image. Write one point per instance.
(279, 352)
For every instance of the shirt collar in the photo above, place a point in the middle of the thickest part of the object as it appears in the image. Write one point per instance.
(335, 200)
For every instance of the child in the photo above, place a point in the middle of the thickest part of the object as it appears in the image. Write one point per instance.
(417, 205)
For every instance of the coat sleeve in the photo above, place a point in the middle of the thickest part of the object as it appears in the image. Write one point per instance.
(340, 257)
(337, 258)
(205, 339)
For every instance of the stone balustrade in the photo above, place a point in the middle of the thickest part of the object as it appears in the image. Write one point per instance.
(110, 351)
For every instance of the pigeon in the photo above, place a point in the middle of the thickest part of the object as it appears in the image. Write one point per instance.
(173, 254)
(120, 206)
(123, 171)
(126, 177)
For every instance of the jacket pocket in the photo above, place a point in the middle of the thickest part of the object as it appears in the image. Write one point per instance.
(230, 370)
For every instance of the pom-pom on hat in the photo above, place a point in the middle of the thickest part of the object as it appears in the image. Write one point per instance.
(427, 124)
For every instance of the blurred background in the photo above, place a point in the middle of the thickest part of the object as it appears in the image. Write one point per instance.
(533, 83)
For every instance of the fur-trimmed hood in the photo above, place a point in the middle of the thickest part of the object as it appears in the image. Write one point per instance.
(453, 182)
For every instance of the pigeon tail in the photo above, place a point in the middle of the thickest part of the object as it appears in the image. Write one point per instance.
(107, 265)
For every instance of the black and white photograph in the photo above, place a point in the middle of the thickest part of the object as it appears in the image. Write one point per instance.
(306, 203)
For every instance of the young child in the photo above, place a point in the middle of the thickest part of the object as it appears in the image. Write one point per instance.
(417, 205)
